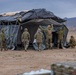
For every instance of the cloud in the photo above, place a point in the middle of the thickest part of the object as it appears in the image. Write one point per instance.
(60, 7)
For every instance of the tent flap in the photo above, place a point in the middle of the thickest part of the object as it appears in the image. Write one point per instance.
(11, 32)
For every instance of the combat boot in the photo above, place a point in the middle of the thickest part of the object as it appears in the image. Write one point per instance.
(50, 45)
(39, 49)
(62, 46)
(25, 49)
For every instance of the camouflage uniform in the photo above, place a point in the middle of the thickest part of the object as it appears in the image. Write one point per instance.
(2, 40)
(39, 36)
(72, 42)
(60, 37)
(48, 32)
(25, 38)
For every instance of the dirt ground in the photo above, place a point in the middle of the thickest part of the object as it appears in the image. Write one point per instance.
(16, 62)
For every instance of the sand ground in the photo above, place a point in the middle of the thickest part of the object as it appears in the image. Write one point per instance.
(16, 62)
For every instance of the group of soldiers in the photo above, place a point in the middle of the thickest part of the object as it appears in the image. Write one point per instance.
(38, 38)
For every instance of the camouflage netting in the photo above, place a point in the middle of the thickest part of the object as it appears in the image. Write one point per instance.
(65, 68)
(11, 32)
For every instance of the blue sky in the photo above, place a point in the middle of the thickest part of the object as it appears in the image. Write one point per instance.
(61, 8)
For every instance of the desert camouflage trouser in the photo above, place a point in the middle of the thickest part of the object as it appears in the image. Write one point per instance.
(26, 44)
(39, 45)
(49, 42)
(60, 41)
(3, 45)
(72, 45)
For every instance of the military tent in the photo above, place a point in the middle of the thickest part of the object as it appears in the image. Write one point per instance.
(14, 25)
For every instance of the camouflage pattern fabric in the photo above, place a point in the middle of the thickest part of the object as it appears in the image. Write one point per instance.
(48, 33)
(65, 68)
(25, 38)
(2, 40)
(72, 42)
(39, 36)
(60, 37)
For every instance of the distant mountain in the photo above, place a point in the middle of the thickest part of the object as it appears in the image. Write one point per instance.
(71, 23)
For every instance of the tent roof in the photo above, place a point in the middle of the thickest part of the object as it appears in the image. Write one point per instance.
(7, 19)
(31, 14)
(43, 22)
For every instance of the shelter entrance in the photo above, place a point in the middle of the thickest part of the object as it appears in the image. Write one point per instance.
(32, 28)
(54, 39)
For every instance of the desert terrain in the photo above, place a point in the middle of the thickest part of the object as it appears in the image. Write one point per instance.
(16, 62)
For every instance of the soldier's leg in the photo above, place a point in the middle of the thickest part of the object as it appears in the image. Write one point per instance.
(47, 43)
(5, 48)
(50, 43)
(72, 46)
(36, 45)
(40, 44)
(26, 45)
(62, 46)
(58, 44)
(1, 46)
